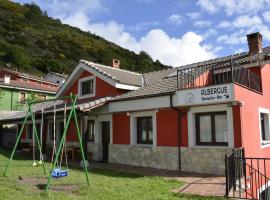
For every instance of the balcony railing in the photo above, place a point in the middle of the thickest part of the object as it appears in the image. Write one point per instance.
(203, 76)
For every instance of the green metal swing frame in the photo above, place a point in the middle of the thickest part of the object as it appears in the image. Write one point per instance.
(73, 114)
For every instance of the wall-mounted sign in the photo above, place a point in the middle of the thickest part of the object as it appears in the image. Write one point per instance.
(205, 95)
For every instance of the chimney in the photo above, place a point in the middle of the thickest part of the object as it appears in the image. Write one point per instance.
(254, 43)
(7, 79)
(115, 63)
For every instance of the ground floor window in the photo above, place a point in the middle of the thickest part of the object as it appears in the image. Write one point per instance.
(265, 194)
(211, 128)
(145, 130)
(29, 132)
(91, 130)
(264, 126)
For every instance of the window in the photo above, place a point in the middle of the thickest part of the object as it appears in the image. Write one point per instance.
(87, 87)
(41, 96)
(50, 131)
(22, 97)
(144, 130)
(29, 134)
(265, 194)
(211, 128)
(264, 122)
(39, 83)
(91, 130)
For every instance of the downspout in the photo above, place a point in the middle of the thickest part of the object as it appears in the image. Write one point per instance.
(178, 130)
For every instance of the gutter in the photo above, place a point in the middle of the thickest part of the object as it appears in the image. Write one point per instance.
(180, 112)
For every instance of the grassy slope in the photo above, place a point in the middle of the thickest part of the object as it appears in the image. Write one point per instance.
(105, 184)
(34, 42)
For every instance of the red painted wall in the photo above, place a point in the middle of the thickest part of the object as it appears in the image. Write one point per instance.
(121, 128)
(102, 88)
(167, 128)
(72, 131)
(237, 126)
(250, 115)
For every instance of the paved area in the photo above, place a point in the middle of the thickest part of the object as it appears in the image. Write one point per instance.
(195, 183)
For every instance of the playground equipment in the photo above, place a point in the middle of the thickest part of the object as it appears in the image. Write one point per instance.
(56, 172)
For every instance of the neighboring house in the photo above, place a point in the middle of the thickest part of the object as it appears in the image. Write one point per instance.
(186, 118)
(55, 77)
(17, 87)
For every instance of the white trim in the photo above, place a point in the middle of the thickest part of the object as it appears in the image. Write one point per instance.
(262, 188)
(98, 132)
(264, 143)
(140, 104)
(126, 87)
(27, 89)
(80, 81)
(212, 108)
(25, 98)
(85, 121)
(133, 127)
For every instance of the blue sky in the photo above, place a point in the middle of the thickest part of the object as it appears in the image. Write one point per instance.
(176, 32)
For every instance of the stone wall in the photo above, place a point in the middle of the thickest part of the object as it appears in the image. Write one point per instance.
(198, 159)
(96, 150)
(209, 160)
(145, 156)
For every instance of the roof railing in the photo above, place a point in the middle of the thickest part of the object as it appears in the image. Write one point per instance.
(215, 74)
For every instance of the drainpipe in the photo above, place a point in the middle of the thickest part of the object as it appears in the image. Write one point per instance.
(180, 112)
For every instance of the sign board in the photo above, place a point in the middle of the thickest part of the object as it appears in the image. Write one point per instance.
(205, 95)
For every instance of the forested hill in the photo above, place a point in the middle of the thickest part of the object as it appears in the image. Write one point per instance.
(34, 42)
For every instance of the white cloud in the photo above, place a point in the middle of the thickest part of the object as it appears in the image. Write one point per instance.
(194, 15)
(202, 23)
(157, 43)
(233, 39)
(246, 21)
(266, 16)
(233, 6)
(224, 24)
(175, 19)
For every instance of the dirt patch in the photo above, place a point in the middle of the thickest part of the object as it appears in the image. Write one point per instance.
(39, 183)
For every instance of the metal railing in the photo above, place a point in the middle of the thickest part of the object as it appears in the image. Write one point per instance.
(247, 178)
(208, 75)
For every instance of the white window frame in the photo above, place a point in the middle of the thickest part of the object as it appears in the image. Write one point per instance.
(80, 81)
(86, 119)
(133, 127)
(264, 143)
(20, 96)
(213, 108)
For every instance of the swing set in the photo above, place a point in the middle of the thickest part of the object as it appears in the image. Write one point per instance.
(56, 169)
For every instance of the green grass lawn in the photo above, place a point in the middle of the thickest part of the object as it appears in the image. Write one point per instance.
(105, 184)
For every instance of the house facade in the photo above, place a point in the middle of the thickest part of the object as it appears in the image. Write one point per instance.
(17, 87)
(186, 118)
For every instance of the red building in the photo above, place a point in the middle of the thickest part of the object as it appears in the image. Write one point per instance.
(186, 118)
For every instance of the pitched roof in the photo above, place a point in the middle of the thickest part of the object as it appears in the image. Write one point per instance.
(19, 84)
(164, 81)
(118, 75)
(28, 75)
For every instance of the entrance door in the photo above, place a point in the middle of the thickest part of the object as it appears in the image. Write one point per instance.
(105, 130)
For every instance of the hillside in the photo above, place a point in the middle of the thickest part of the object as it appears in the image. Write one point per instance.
(34, 42)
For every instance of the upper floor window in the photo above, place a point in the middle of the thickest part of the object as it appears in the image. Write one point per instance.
(87, 87)
(41, 96)
(145, 130)
(211, 128)
(22, 97)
